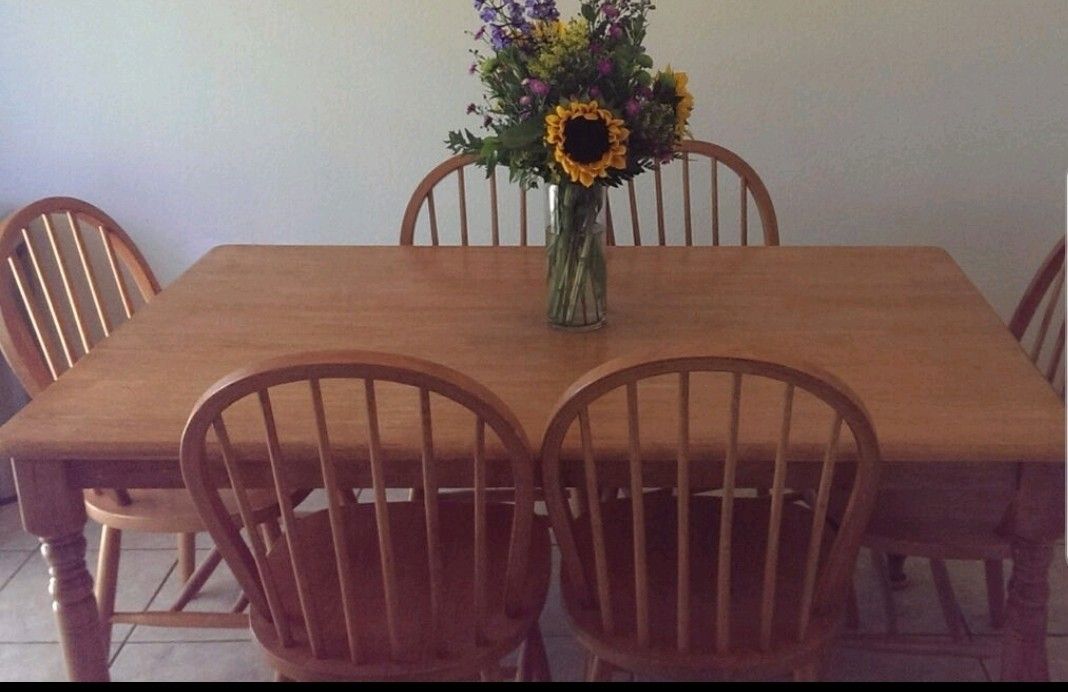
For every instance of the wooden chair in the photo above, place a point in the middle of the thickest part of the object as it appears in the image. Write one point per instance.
(958, 513)
(382, 590)
(750, 186)
(764, 591)
(71, 277)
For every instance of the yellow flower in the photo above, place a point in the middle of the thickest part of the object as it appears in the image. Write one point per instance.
(547, 30)
(557, 45)
(685, 105)
(587, 140)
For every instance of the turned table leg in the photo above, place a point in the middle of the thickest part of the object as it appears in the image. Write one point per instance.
(55, 512)
(1037, 522)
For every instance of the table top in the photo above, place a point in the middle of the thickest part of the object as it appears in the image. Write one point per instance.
(940, 374)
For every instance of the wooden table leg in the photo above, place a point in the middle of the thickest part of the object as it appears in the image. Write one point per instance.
(1037, 522)
(55, 513)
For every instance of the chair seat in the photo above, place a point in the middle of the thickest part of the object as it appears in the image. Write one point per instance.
(458, 654)
(164, 511)
(751, 516)
(954, 513)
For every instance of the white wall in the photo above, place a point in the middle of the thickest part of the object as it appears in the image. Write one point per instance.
(199, 122)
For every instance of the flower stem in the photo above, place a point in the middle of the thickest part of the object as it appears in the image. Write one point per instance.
(576, 272)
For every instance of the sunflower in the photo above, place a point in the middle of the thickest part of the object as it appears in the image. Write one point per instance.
(587, 140)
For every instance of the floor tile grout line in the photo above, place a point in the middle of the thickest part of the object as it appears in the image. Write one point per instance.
(151, 600)
(25, 560)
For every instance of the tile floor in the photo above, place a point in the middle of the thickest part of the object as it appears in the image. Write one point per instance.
(29, 650)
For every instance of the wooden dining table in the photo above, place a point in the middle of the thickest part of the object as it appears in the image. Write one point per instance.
(940, 374)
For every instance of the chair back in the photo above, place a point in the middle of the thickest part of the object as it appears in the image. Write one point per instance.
(715, 158)
(750, 186)
(71, 276)
(1043, 338)
(424, 196)
(287, 463)
(700, 464)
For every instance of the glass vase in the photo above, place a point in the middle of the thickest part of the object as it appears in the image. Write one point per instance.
(574, 242)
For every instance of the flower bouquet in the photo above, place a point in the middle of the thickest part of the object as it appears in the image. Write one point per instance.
(574, 104)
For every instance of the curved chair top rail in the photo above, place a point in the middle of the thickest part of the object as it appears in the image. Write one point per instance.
(249, 560)
(64, 288)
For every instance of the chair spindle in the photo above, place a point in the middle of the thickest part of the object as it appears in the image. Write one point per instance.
(463, 205)
(385, 541)
(336, 502)
(819, 519)
(68, 288)
(90, 274)
(683, 472)
(726, 521)
(600, 558)
(771, 557)
(311, 614)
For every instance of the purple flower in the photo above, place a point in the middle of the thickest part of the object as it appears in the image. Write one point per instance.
(524, 100)
(614, 31)
(473, 68)
(595, 92)
(499, 39)
(537, 87)
(542, 9)
(609, 10)
(632, 108)
(487, 121)
(605, 66)
(471, 108)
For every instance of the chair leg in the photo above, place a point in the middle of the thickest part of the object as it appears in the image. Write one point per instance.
(240, 604)
(271, 532)
(895, 568)
(852, 608)
(533, 660)
(995, 592)
(948, 601)
(883, 577)
(598, 670)
(107, 578)
(187, 555)
(196, 582)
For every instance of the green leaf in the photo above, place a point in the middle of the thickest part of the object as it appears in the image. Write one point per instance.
(526, 132)
(644, 60)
